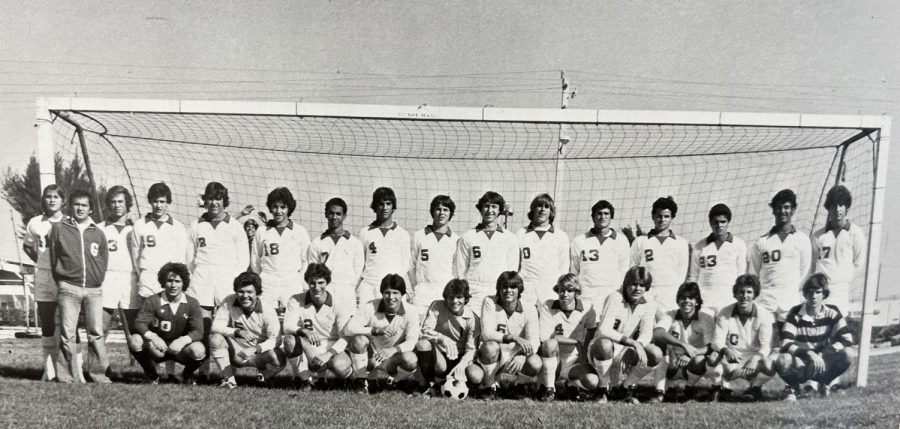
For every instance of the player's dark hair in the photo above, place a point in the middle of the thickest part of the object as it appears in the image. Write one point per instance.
(117, 190)
(178, 268)
(637, 275)
(457, 287)
(393, 281)
(383, 194)
(690, 290)
(442, 200)
(510, 279)
(816, 281)
(667, 203)
(159, 190)
(216, 191)
(251, 222)
(603, 204)
(491, 197)
(720, 210)
(744, 280)
(248, 278)
(336, 202)
(784, 196)
(317, 271)
(539, 201)
(838, 195)
(283, 195)
(81, 193)
(568, 281)
(52, 188)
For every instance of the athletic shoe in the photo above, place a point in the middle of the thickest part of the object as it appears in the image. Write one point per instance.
(826, 390)
(228, 383)
(601, 397)
(630, 398)
(547, 394)
(188, 379)
(755, 393)
(719, 394)
(658, 398)
(492, 393)
(361, 386)
(790, 393)
(690, 393)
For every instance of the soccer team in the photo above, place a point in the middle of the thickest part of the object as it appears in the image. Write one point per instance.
(507, 314)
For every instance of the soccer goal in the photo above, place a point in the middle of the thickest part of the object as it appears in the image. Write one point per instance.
(629, 158)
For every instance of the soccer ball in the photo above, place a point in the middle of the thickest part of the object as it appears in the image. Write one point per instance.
(454, 389)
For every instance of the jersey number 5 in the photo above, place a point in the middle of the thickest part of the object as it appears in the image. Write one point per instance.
(424, 255)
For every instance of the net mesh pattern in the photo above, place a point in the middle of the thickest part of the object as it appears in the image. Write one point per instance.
(629, 165)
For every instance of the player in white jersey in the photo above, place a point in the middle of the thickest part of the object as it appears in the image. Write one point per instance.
(568, 324)
(685, 336)
(743, 339)
(510, 336)
(312, 328)
(717, 260)
(446, 347)
(383, 335)
(341, 252)
(386, 246)
(781, 258)
(839, 248)
(624, 331)
(543, 251)
(486, 251)
(433, 251)
(120, 286)
(600, 257)
(663, 253)
(217, 246)
(279, 251)
(158, 239)
(37, 232)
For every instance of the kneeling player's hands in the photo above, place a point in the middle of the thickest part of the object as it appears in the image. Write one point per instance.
(320, 360)
(641, 355)
(514, 365)
(382, 355)
(449, 348)
(682, 361)
(690, 350)
(157, 342)
(179, 344)
(242, 334)
(459, 371)
(729, 356)
(245, 354)
(818, 364)
(524, 345)
(387, 331)
(313, 338)
(750, 368)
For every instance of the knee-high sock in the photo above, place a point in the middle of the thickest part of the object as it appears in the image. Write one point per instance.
(603, 367)
(659, 375)
(636, 373)
(490, 373)
(548, 371)
(359, 362)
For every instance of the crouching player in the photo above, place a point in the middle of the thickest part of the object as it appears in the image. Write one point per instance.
(567, 326)
(815, 341)
(383, 335)
(510, 336)
(743, 339)
(624, 334)
(312, 328)
(245, 333)
(686, 335)
(446, 346)
(169, 326)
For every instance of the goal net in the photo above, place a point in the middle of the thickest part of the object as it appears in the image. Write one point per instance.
(578, 156)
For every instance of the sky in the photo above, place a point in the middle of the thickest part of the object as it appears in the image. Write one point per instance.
(836, 57)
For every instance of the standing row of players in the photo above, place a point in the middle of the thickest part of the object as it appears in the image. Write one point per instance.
(215, 250)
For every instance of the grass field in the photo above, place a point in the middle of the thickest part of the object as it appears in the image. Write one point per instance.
(26, 402)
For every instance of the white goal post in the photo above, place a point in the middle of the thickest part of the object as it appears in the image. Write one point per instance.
(580, 156)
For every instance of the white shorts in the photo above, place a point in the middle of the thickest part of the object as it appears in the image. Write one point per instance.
(479, 292)
(344, 295)
(120, 289)
(426, 293)
(211, 284)
(45, 288)
(278, 297)
(839, 296)
(664, 296)
(778, 301)
(148, 283)
(280, 288)
(598, 294)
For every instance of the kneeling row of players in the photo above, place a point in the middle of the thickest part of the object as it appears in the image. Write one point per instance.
(566, 343)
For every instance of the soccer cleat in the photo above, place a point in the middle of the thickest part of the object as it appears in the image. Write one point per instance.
(601, 397)
(755, 393)
(492, 393)
(361, 386)
(790, 394)
(547, 395)
(303, 385)
(203, 379)
(228, 384)
(826, 390)
(658, 398)
(188, 379)
(390, 383)
(153, 380)
(690, 393)
(630, 398)
(719, 394)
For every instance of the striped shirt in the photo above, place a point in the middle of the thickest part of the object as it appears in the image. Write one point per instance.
(805, 331)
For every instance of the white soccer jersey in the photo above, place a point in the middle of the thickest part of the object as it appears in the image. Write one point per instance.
(343, 255)
(119, 240)
(158, 242)
(327, 322)
(523, 322)
(753, 337)
(839, 254)
(600, 262)
(387, 252)
(715, 266)
(36, 235)
(781, 264)
(555, 323)
(219, 253)
(544, 256)
(666, 257)
(698, 332)
(279, 256)
(432, 264)
(618, 319)
(480, 258)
